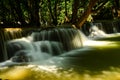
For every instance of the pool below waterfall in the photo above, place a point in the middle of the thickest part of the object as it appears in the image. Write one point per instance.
(60, 54)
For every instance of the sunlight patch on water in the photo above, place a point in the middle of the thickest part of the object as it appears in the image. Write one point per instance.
(33, 72)
(46, 68)
(14, 73)
(13, 29)
(104, 44)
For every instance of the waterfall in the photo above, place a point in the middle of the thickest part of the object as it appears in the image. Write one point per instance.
(51, 47)
(15, 45)
(44, 50)
(2, 46)
(106, 26)
(70, 38)
(43, 44)
(5, 35)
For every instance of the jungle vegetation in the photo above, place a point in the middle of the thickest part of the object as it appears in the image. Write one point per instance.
(56, 12)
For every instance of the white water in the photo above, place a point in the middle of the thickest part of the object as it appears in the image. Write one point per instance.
(46, 43)
(70, 38)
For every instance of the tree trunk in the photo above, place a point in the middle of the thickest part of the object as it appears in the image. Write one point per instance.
(74, 11)
(2, 11)
(85, 15)
(66, 13)
(65, 7)
(55, 13)
(33, 7)
(117, 4)
(116, 7)
(36, 12)
(50, 9)
(19, 12)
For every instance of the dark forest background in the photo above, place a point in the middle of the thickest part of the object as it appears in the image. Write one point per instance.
(37, 13)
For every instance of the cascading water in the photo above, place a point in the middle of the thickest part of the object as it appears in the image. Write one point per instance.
(51, 47)
(44, 50)
(51, 41)
(106, 26)
(5, 35)
(16, 45)
(39, 51)
(56, 47)
(70, 38)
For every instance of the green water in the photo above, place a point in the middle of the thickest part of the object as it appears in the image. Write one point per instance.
(96, 60)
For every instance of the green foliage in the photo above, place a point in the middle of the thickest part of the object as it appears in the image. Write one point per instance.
(108, 4)
(106, 12)
(25, 11)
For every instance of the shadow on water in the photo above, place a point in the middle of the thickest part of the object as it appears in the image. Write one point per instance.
(90, 59)
(111, 37)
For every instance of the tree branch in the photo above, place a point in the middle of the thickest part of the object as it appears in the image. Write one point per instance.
(100, 6)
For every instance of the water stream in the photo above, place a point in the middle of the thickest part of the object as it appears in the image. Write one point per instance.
(50, 41)
(47, 51)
